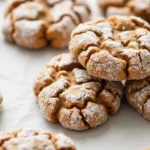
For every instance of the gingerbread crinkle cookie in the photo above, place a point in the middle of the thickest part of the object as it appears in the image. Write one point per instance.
(28, 139)
(37, 23)
(69, 95)
(114, 49)
(138, 96)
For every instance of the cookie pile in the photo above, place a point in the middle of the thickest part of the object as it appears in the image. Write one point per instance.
(28, 139)
(117, 49)
(140, 8)
(37, 23)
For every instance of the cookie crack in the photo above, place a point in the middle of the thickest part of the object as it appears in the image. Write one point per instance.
(98, 34)
(139, 55)
(138, 89)
(78, 14)
(15, 5)
(61, 18)
(144, 102)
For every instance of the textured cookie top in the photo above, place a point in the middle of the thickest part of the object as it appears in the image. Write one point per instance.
(69, 95)
(26, 139)
(139, 8)
(138, 96)
(114, 49)
(35, 23)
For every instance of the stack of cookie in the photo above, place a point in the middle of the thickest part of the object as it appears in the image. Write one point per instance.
(82, 88)
(117, 49)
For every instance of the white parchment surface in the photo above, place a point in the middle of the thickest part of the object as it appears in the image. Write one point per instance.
(127, 130)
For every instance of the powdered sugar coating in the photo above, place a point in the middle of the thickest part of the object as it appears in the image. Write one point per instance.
(114, 49)
(33, 139)
(138, 93)
(62, 142)
(73, 97)
(94, 114)
(30, 32)
(28, 10)
(60, 18)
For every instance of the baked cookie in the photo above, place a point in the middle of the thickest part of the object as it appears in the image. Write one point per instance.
(138, 96)
(27, 139)
(69, 95)
(114, 49)
(148, 148)
(37, 23)
(140, 8)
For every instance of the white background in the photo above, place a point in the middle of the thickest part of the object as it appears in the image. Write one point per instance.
(127, 130)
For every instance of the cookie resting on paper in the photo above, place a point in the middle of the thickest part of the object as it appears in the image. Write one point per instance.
(69, 95)
(37, 23)
(29, 139)
(138, 96)
(114, 49)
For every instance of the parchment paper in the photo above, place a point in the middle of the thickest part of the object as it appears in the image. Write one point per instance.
(127, 130)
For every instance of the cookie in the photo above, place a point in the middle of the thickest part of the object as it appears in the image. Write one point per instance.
(138, 96)
(114, 49)
(148, 148)
(37, 23)
(140, 8)
(69, 95)
(28, 139)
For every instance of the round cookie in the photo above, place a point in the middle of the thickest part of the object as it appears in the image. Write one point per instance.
(37, 23)
(140, 8)
(138, 96)
(114, 49)
(69, 95)
(28, 139)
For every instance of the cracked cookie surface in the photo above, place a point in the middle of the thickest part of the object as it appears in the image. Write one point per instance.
(138, 96)
(114, 49)
(69, 95)
(140, 8)
(37, 23)
(28, 139)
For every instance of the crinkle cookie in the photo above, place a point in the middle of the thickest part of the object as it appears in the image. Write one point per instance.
(37, 23)
(27, 139)
(140, 8)
(69, 95)
(114, 49)
(138, 96)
